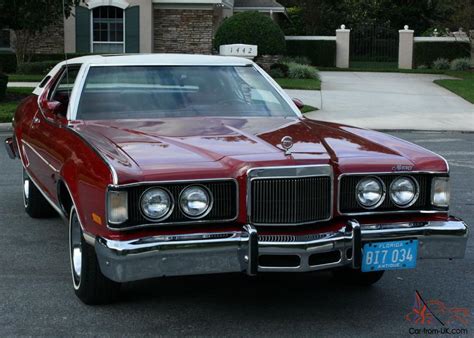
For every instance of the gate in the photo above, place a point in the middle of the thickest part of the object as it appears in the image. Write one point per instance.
(373, 46)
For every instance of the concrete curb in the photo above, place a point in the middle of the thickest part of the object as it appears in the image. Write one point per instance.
(5, 127)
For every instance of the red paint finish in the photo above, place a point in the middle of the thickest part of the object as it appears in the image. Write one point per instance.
(80, 154)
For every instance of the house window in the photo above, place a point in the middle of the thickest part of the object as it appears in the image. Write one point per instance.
(108, 30)
(5, 39)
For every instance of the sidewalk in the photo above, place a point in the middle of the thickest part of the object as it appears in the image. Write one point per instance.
(388, 101)
(22, 84)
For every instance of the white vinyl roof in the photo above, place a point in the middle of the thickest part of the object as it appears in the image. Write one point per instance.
(159, 59)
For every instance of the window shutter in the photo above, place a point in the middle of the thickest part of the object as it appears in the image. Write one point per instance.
(132, 29)
(83, 30)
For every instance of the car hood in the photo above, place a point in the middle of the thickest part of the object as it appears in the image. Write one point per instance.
(194, 143)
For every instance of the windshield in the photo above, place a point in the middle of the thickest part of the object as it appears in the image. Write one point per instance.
(148, 92)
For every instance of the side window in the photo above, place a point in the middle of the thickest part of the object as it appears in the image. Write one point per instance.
(65, 84)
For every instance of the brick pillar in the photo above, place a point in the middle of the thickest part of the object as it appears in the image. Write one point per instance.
(405, 48)
(343, 37)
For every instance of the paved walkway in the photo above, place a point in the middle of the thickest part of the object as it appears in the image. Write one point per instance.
(22, 84)
(388, 101)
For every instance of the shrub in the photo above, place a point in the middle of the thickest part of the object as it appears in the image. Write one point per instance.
(441, 64)
(8, 62)
(302, 60)
(36, 67)
(320, 52)
(3, 85)
(422, 67)
(281, 68)
(276, 73)
(425, 53)
(461, 64)
(298, 71)
(252, 28)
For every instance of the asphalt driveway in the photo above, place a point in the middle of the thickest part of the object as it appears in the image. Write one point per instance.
(388, 101)
(36, 296)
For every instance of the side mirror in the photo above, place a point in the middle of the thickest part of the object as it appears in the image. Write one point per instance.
(298, 103)
(53, 108)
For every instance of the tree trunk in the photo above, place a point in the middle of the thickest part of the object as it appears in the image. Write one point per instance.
(21, 45)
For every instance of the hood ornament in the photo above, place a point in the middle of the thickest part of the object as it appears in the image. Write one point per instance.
(287, 144)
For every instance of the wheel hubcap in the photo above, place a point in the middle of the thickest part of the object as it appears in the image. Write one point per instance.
(76, 249)
(26, 190)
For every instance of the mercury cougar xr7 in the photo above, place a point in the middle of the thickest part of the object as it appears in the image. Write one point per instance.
(168, 165)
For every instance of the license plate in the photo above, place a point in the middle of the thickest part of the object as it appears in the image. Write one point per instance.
(392, 255)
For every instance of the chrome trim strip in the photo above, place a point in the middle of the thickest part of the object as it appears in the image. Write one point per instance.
(41, 157)
(364, 213)
(191, 221)
(298, 171)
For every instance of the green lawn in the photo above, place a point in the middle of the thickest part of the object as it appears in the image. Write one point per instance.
(305, 84)
(307, 109)
(463, 87)
(25, 78)
(13, 98)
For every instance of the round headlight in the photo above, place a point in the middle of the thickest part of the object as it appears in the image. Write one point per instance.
(195, 201)
(403, 191)
(156, 204)
(370, 192)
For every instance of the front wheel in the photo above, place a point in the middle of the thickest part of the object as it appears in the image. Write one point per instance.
(356, 276)
(36, 206)
(90, 285)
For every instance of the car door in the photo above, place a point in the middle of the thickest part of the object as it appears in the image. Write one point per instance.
(44, 144)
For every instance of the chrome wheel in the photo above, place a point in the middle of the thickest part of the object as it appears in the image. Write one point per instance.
(75, 243)
(26, 190)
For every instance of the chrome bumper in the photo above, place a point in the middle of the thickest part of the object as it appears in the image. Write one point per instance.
(246, 251)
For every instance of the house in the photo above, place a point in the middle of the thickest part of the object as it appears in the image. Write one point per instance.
(143, 26)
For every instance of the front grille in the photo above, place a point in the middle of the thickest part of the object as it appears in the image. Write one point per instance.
(224, 207)
(347, 194)
(286, 201)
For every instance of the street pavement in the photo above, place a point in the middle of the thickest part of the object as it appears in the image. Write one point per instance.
(388, 101)
(36, 296)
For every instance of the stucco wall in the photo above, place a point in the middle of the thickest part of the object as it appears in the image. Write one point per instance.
(183, 30)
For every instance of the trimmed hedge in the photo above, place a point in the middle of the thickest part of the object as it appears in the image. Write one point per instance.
(39, 68)
(3, 85)
(425, 53)
(322, 53)
(252, 28)
(8, 62)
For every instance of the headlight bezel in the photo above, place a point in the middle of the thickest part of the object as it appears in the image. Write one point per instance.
(169, 211)
(382, 195)
(209, 205)
(448, 191)
(416, 193)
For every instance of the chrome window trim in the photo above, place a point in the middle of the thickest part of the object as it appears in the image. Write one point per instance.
(366, 213)
(417, 191)
(209, 207)
(382, 198)
(191, 221)
(320, 170)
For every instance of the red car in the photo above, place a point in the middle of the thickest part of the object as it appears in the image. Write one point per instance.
(167, 165)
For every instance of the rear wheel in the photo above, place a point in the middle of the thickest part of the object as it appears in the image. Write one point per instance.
(356, 276)
(90, 285)
(36, 206)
